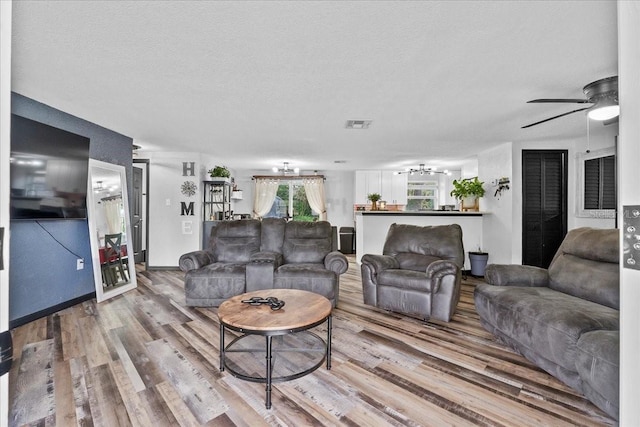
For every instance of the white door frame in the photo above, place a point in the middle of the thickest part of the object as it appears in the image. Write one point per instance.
(5, 150)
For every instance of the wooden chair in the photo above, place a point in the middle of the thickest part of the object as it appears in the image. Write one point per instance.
(115, 263)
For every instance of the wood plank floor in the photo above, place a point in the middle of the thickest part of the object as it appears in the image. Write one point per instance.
(145, 359)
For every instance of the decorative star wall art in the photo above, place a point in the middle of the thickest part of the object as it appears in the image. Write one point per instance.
(188, 188)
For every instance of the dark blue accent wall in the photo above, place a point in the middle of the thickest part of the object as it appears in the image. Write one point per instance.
(42, 273)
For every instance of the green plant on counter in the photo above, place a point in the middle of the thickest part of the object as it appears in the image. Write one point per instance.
(373, 197)
(467, 188)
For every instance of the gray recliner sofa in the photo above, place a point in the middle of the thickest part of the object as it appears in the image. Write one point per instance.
(250, 255)
(418, 273)
(565, 319)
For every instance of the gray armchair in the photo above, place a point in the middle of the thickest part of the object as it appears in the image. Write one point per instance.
(250, 255)
(419, 273)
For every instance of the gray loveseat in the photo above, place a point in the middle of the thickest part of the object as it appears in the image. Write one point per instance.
(249, 255)
(564, 319)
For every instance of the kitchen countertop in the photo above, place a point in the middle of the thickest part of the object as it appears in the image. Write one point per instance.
(422, 213)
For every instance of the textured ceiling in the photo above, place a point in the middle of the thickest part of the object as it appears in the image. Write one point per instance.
(259, 83)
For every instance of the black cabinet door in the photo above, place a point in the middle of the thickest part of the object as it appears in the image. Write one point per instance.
(544, 210)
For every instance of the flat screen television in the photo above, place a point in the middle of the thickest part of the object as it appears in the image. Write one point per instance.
(49, 168)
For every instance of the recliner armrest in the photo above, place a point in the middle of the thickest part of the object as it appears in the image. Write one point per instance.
(195, 260)
(380, 263)
(336, 262)
(516, 275)
(439, 269)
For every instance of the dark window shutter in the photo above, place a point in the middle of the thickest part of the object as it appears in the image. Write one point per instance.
(600, 183)
(609, 182)
(592, 184)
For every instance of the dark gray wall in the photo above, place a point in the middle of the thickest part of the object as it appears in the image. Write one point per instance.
(42, 273)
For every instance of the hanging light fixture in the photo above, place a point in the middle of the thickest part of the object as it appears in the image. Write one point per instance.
(286, 170)
(423, 171)
(606, 108)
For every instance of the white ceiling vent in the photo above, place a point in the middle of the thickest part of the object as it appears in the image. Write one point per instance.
(358, 124)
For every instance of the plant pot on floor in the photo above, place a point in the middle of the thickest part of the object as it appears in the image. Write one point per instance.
(478, 263)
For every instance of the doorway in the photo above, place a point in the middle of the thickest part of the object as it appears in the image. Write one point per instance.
(544, 205)
(139, 210)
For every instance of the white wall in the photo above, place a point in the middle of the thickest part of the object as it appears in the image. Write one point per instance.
(167, 236)
(5, 145)
(629, 159)
(605, 137)
(469, 168)
(170, 234)
(338, 188)
(503, 228)
(494, 164)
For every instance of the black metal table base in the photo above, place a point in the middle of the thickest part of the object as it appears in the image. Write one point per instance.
(268, 378)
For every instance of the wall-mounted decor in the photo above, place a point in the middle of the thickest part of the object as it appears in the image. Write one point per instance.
(188, 188)
(631, 237)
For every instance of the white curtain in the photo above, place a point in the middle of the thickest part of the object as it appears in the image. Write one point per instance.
(314, 189)
(264, 196)
(112, 213)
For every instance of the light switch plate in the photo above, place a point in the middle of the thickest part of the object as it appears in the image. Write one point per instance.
(631, 237)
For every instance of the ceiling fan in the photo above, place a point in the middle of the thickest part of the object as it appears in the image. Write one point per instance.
(603, 94)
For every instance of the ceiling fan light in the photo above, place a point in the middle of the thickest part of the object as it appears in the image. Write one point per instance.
(605, 112)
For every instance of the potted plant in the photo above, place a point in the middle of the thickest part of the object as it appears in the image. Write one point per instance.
(478, 261)
(468, 191)
(373, 198)
(219, 173)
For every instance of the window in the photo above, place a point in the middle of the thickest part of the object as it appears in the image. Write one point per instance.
(422, 195)
(291, 202)
(597, 184)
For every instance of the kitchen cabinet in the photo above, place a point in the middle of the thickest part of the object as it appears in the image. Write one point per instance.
(394, 188)
(367, 182)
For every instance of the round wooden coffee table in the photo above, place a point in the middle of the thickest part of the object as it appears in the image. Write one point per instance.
(287, 334)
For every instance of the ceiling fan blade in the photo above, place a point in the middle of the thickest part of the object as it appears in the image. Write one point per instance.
(555, 117)
(564, 100)
(611, 121)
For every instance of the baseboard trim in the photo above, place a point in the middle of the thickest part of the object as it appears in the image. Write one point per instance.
(50, 310)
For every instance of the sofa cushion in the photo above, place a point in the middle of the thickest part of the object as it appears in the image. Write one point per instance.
(215, 281)
(543, 320)
(405, 279)
(586, 266)
(235, 241)
(438, 241)
(272, 236)
(416, 262)
(306, 242)
(312, 277)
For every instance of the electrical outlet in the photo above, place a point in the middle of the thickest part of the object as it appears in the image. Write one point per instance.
(79, 264)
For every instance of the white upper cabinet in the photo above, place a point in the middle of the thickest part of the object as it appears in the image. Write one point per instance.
(367, 182)
(392, 188)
